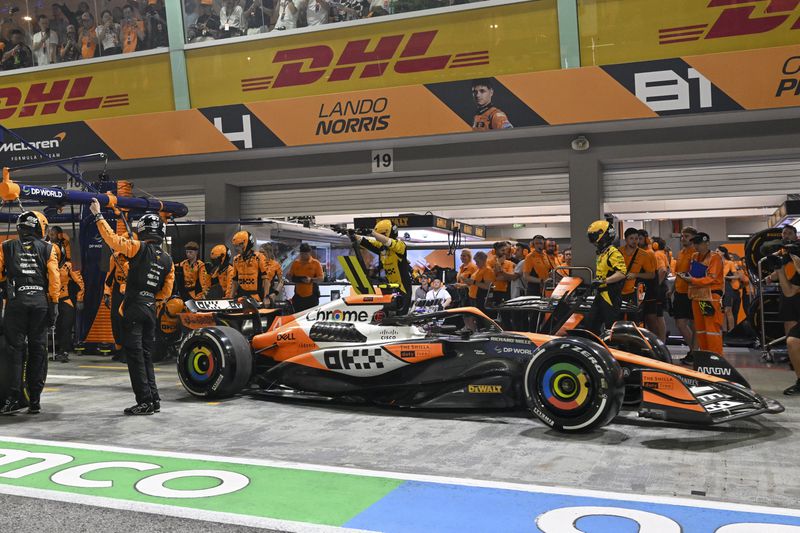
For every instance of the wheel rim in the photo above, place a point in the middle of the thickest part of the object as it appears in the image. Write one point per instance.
(565, 387)
(200, 364)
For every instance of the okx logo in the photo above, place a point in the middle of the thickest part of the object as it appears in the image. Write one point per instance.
(738, 17)
(362, 58)
(71, 95)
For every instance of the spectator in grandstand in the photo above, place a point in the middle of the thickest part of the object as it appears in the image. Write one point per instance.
(17, 54)
(132, 31)
(257, 16)
(317, 12)
(45, 43)
(108, 33)
(74, 17)
(378, 8)
(288, 13)
(190, 15)
(487, 116)
(231, 19)
(156, 26)
(88, 36)
(207, 25)
(70, 50)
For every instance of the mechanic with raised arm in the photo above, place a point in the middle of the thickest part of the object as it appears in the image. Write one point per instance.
(610, 273)
(151, 275)
(384, 242)
(113, 294)
(219, 273)
(29, 265)
(195, 277)
(65, 325)
(250, 276)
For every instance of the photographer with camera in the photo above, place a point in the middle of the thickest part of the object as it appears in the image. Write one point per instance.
(18, 54)
(70, 50)
(257, 16)
(383, 240)
(207, 25)
(88, 36)
(288, 13)
(132, 30)
(109, 35)
(45, 43)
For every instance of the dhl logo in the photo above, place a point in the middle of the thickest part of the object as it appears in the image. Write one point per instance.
(740, 17)
(364, 58)
(49, 98)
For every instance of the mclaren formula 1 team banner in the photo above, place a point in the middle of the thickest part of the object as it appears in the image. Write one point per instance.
(672, 28)
(476, 42)
(91, 89)
(748, 80)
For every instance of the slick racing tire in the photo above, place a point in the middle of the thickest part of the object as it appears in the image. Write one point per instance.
(574, 385)
(215, 362)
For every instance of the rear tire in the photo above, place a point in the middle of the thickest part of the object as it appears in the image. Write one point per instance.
(574, 385)
(215, 362)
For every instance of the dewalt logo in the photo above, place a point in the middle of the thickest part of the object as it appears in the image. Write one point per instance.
(484, 389)
(363, 58)
(39, 99)
(738, 18)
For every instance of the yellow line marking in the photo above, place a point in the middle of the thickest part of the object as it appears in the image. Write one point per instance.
(212, 403)
(51, 389)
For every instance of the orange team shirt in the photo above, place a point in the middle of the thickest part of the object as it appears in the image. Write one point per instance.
(714, 275)
(466, 270)
(311, 269)
(508, 268)
(538, 263)
(683, 264)
(491, 119)
(661, 262)
(481, 275)
(644, 262)
(88, 44)
(129, 36)
(730, 269)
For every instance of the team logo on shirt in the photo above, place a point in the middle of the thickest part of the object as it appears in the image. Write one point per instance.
(362, 58)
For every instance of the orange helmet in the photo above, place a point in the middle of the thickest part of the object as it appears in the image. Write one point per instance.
(32, 223)
(220, 255)
(245, 239)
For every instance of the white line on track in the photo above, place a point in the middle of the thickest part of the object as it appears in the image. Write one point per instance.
(666, 500)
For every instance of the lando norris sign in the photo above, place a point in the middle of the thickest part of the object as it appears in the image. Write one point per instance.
(297, 497)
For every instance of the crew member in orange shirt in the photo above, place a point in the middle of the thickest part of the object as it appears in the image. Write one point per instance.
(65, 324)
(306, 273)
(536, 268)
(705, 291)
(681, 305)
(639, 267)
(504, 274)
(466, 270)
(274, 275)
(479, 282)
(654, 321)
(196, 280)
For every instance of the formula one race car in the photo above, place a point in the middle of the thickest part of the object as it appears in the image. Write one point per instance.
(358, 349)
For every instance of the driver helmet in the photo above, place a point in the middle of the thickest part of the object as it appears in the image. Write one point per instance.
(601, 233)
(386, 228)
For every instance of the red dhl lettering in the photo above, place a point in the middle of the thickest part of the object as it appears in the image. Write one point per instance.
(363, 58)
(48, 98)
(740, 17)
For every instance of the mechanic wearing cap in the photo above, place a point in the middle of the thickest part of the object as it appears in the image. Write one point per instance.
(610, 273)
(681, 304)
(195, 277)
(65, 325)
(250, 270)
(113, 294)
(151, 275)
(384, 242)
(306, 273)
(29, 265)
(706, 284)
(638, 267)
(219, 273)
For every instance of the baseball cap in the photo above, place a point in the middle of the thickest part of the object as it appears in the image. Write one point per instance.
(701, 238)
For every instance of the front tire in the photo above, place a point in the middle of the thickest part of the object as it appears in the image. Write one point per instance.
(215, 362)
(574, 385)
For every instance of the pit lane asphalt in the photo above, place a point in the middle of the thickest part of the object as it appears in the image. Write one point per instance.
(749, 461)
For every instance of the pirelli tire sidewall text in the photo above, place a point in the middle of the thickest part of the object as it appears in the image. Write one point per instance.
(215, 362)
(574, 385)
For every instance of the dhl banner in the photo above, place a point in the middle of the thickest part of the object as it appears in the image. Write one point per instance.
(672, 28)
(747, 80)
(505, 39)
(87, 90)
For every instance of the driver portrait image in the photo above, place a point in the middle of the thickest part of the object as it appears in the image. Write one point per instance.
(487, 116)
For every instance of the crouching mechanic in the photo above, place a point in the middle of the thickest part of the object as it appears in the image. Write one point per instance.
(65, 325)
(610, 274)
(30, 267)
(394, 261)
(151, 275)
(251, 273)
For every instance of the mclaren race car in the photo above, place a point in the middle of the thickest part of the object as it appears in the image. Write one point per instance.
(357, 349)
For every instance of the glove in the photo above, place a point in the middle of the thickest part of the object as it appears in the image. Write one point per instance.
(79, 306)
(52, 314)
(598, 284)
(364, 231)
(107, 300)
(351, 232)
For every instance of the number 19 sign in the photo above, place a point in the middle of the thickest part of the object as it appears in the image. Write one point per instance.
(383, 160)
